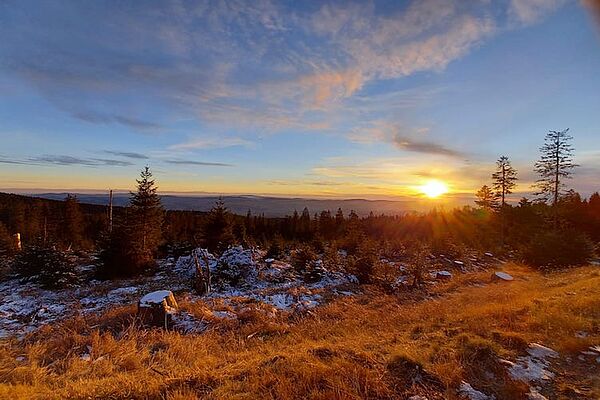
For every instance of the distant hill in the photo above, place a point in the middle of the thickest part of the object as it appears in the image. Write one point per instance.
(270, 206)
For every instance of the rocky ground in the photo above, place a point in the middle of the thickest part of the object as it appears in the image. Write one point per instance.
(537, 363)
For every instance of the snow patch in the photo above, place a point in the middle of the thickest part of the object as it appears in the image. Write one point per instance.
(534, 366)
(155, 297)
(466, 390)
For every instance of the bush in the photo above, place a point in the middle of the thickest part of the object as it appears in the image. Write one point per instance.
(303, 258)
(275, 249)
(558, 249)
(121, 257)
(363, 262)
(50, 267)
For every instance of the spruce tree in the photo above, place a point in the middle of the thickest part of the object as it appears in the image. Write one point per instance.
(504, 181)
(554, 166)
(6, 240)
(218, 230)
(486, 198)
(73, 223)
(145, 217)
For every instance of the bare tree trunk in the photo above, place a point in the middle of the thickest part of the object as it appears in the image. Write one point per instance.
(203, 276)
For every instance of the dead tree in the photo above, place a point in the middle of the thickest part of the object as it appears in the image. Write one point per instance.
(202, 277)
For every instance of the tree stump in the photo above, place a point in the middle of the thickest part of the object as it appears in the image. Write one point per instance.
(157, 309)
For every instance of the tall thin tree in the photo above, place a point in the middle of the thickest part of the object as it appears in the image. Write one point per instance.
(554, 166)
(503, 182)
(504, 179)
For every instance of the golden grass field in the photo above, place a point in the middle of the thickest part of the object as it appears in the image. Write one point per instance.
(371, 346)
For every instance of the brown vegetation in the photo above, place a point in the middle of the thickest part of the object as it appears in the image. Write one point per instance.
(374, 346)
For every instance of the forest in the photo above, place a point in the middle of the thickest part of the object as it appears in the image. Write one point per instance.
(556, 230)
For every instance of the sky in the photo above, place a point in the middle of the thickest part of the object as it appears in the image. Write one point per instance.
(288, 98)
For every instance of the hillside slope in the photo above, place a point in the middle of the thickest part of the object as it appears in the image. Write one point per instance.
(466, 337)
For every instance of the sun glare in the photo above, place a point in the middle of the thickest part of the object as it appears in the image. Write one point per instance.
(433, 189)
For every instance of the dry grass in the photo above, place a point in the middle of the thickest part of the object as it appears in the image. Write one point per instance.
(373, 346)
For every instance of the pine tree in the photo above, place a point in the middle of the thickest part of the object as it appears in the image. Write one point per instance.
(339, 221)
(6, 241)
(486, 198)
(73, 223)
(554, 166)
(218, 230)
(504, 179)
(145, 217)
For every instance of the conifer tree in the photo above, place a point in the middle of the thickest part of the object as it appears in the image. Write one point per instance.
(486, 198)
(73, 223)
(6, 241)
(218, 230)
(145, 216)
(554, 166)
(339, 221)
(504, 179)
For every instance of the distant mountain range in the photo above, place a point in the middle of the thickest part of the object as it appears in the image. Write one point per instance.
(269, 206)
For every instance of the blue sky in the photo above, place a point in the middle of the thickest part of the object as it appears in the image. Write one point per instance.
(344, 99)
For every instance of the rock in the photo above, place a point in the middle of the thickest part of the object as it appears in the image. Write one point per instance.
(443, 275)
(502, 276)
(417, 397)
(488, 255)
(157, 309)
(459, 263)
(535, 395)
(467, 391)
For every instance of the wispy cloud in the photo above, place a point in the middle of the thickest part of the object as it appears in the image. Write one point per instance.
(530, 11)
(211, 143)
(274, 69)
(127, 154)
(65, 160)
(422, 146)
(198, 163)
(135, 123)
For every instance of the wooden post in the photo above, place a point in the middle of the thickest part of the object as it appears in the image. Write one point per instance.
(110, 210)
(17, 239)
(45, 230)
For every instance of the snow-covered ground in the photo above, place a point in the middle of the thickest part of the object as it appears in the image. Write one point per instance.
(24, 307)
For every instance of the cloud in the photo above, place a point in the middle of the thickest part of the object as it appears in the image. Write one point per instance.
(98, 118)
(530, 11)
(263, 65)
(198, 163)
(69, 160)
(406, 139)
(65, 160)
(421, 146)
(211, 143)
(127, 154)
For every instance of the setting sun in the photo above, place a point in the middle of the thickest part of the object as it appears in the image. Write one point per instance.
(433, 189)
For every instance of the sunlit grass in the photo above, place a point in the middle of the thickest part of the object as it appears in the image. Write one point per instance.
(348, 349)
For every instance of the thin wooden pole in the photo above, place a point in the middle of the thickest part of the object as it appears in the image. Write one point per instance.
(110, 210)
